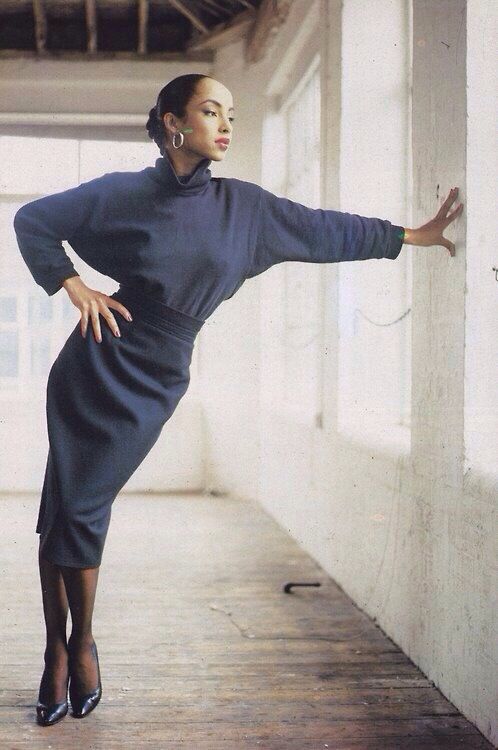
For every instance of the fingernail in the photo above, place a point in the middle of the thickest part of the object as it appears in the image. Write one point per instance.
(129, 317)
(117, 333)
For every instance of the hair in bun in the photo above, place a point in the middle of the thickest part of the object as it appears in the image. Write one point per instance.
(174, 98)
(155, 128)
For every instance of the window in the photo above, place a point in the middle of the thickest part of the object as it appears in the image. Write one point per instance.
(9, 339)
(375, 296)
(297, 331)
(33, 325)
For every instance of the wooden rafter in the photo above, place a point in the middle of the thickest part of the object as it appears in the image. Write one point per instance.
(204, 56)
(218, 6)
(143, 19)
(271, 15)
(40, 25)
(194, 20)
(224, 33)
(246, 4)
(91, 26)
(211, 24)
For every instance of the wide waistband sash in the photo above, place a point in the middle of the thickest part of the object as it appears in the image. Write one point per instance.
(158, 313)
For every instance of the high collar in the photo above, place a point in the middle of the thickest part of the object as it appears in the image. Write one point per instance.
(191, 184)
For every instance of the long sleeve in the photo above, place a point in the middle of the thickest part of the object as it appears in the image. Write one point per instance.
(288, 230)
(42, 224)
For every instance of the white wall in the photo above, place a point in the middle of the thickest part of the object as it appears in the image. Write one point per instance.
(229, 348)
(411, 540)
(394, 515)
(126, 89)
(481, 312)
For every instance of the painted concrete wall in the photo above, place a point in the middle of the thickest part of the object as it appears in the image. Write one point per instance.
(403, 519)
(127, 89)
(230, 346)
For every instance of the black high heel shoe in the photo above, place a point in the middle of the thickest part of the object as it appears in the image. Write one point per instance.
(48, 714)
(82, 705)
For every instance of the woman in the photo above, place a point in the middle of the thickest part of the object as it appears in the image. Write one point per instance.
(179, 242)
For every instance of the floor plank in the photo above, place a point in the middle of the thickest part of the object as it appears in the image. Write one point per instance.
(199, 645)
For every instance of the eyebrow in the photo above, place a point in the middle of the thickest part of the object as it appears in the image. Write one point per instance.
(215, 102)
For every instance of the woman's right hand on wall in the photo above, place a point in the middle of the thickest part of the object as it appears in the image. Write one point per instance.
(92, 303)
(431, 233)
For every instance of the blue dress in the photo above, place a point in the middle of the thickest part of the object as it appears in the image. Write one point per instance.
(178, 247)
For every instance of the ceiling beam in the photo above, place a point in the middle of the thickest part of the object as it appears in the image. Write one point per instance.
(40, 25)
(205, 56)
(194, 20)
(224, 33)
(271, 15)
(98, 119)
(91, 26)
(214, 4)
(143, 20)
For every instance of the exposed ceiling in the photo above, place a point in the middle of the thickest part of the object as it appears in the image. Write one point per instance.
(148, 29)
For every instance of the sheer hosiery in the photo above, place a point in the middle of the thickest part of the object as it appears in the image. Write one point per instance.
(81, 588)
(67, 589)
(55, 610)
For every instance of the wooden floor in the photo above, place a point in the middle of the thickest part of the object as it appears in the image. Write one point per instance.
(201, 648)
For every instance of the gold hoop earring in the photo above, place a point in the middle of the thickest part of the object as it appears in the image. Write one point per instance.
(181, 139)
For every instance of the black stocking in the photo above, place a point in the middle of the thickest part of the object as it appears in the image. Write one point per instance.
(66, 588)
(55, 609)
(81, 588)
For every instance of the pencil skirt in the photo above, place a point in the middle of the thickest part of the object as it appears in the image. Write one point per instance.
(106, 405)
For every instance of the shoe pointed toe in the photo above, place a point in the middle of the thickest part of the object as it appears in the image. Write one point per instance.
(48, 715)
(82, 705)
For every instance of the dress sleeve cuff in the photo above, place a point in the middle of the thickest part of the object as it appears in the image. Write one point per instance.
(53, 290)
(397, 236)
